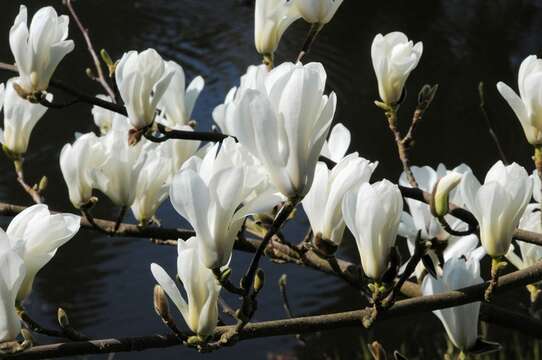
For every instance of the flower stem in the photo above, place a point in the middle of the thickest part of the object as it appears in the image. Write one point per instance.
(497, 264)
(402, 148)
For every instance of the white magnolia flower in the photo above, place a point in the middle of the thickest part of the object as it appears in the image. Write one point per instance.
(152, 184)
(337, 144)
(530, 253)
(200, 312)
(78, 163)
(272, 18)
(12, 274)
(528, 104)
(372, 213)
(117, 175)
(103, 118)
(323, 202)
(39, 50)
(211, 193)
(36, 234)
(317, 11)
(142, 79)
(226, 115)
(178, 102)
(285, 127)
(460, 322)
(20, 117)
(394, 58)
(497, 204)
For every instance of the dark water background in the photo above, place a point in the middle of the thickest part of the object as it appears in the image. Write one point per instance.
(105, 284)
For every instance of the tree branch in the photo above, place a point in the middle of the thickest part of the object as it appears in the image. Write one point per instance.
(306, 324)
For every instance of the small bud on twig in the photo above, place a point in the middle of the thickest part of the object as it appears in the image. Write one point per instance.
(160, 302)
(63, 319)
(259, 280)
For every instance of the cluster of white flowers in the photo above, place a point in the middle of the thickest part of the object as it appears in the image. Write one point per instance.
(286, 150)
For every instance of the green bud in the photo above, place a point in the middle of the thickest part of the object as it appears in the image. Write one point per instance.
(259, 280)
(43, 184)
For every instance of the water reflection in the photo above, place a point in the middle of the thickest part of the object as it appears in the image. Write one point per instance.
(105, 283)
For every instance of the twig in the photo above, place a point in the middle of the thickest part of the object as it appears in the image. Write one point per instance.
(404, 144)
(285, 303)
(247, 282)
(226, 309)
(37, 328)
(226, 283)
(34, 192)
(402, 149)
(311, 37)
(120, 109)
(166, 134)
(67, 331)
(120, 217)
(306, 324)
(481, 94)
(419, 252)
(90, 220)
(97, 64)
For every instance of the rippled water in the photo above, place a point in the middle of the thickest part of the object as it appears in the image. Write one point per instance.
(105, 284)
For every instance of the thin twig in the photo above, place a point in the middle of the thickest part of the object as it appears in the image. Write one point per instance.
(481, 94)
(310, 39)
(249, 303)
(419, 252)
(97, 64)
(37, 328)
(120, 217)
(33, 191)
(402, 149)
(226, 309)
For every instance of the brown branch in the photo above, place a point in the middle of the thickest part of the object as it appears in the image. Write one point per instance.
(33, 191)
(306, 324)
(97, 64)
(166, 134)
(126, 230)
(402, 148)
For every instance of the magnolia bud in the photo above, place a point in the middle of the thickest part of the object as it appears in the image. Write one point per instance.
(160, 302)
(259, 280)
(283, 280)
(63, 319)
(90, 73)
(441, 193)
(43, 184)
(225, 275)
